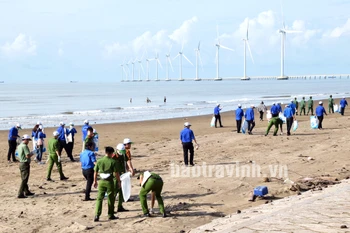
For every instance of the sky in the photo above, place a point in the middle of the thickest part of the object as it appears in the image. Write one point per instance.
(86, 40)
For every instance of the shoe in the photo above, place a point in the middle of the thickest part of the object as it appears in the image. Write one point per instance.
(192, 164)
(9, 161)
(49, 179)
(275, 135)
(72, 160)
(121, 209)
(21, 196)
(96, 219)
(113, 217)
(265, 135)
(131, 199)
(30, 194)
(64, 178)
(15, 161)
(221, 126)
(146, 215)
(164, 215)
(88, 199)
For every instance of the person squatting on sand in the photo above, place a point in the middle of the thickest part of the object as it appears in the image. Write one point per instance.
(54, 157)
(150, 181)
(217, 116)
(88, 161)
(12, 141)
(186, 138)
(319, 113)
(239, 115)
(277, 122)
(123, 164)
(108, 169)
(249, 116)
(24, 166)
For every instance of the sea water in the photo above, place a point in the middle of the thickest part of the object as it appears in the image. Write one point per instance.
(27, 103)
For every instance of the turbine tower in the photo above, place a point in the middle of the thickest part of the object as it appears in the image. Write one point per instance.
(198, 56)
(219, 45)
(168, 61)
(157, 62)
(141, 66)
(180, 55)
(133, 69)
(246, 43)
(283, 32)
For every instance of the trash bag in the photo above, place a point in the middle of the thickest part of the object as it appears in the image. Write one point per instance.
(295, 125)
(313, 122)
(212, 123)
(245, 126)
(126, 185)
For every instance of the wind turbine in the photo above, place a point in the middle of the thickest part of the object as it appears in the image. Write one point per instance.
(128, 70)
(246, 42)
(141, 66)
(168, 61)
(157, 62)
(219, 45)
(283, 32)
(180, 55)
(198, 55)
(133, 69)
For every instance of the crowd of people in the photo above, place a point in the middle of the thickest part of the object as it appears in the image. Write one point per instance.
(103, 174)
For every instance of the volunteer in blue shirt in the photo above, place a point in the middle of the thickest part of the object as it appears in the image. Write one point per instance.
(274, 110)
(239, 115)
(249, 116)
(40, 144)
(12, 140)
(217, 110)
(71, 132)
(63, 133)
(343, 103)
(292, 106)
(319, 113)
(186, 137)
(279, 108)
(88, 161)
(289, 114)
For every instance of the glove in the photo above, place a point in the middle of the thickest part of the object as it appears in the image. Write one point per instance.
(59, 159)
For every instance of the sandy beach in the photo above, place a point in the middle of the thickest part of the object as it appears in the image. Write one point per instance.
(192, 201)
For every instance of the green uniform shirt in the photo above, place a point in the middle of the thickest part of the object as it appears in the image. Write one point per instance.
(330, 102)
(121, 162)
(155, 176)
(310, 103)
(22, 151)
(53, 146)
(302, 103)
(106, 165)
(296, 103)
(87, 140)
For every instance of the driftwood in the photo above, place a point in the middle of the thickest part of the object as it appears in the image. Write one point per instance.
(313, 183)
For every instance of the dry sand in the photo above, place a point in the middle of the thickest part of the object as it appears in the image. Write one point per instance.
(193, 201)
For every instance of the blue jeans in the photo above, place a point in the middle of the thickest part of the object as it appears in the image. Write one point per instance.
(39, 152)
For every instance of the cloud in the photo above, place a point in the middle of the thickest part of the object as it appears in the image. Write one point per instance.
(181, 35)
(21, 46)
(302, 38)
(339, 31)
(60, 52)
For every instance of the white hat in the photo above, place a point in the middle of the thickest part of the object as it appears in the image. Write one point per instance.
(41, 127)
(218, 105)
(94, 131)
(252, 105)
(127, 141)
(26, 137)
(62, 123)
(239, 105)
(187, 124)
(86, 122)
(120, 146)
(56, 133)
(71, 123)
(320, 102)
(291, 100)
(38, 123)
(273, 103)
(19, 126)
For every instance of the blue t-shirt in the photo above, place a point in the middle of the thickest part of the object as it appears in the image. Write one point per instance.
(239, 114)
(343, 103)
(87, 159)
(187, 135)
(217, 110)
(320, 110)
(249, 114)
(288, 112)
(274, 109)
(62, 132)
(13, 134)
(72, 131)
(84, 130)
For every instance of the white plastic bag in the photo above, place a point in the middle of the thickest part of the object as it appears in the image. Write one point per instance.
(212, 123)
(245, 127)
(126, 185)
(313, 122)
(295, 125)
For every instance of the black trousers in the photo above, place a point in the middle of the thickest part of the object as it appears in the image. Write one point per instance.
(64, 145)
(89, 176)
(289, 122)
(342, 111)
(69, 150)
(188, 146)
(239, 124)
(320, 119)
(261, 115)
(218, 117)
(25, 172)
(12, 150)
(251, 125)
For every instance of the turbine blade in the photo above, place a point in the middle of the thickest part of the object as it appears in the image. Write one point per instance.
(171, 46)
(282, 16)
(182, 48)
(224, 47)
(176, 56)
(292, 31)
(247, 28)
(159, 63)
(200, 58)
(187, 59)
(171, 65)
(250, 52)
(143, 70)
(199, 46)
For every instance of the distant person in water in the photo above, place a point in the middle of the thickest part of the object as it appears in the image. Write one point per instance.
(148, 100)
(130, 100)
(343, 103)
(164, 99)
